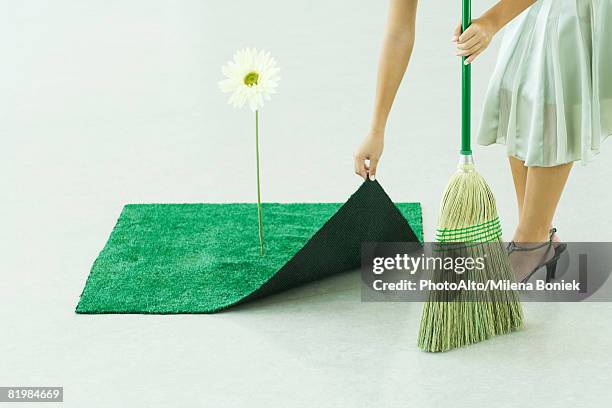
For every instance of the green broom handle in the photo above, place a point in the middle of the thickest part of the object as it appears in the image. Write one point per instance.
(466, 146)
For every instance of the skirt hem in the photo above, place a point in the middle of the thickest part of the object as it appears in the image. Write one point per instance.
(532, 163)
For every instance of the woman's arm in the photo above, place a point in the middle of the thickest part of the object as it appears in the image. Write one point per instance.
(479, 34)
(396, 51)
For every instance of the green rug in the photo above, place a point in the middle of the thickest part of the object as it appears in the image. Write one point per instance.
(202, 258)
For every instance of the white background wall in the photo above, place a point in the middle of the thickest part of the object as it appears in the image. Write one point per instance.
(108, 102)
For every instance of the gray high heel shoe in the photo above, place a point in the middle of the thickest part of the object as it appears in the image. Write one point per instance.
(558, 246)
(548, 259)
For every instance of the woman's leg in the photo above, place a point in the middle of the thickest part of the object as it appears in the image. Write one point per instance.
(519, 175)
(543, 189)
(542, 193)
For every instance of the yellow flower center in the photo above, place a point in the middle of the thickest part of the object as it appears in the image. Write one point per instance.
(252, 78)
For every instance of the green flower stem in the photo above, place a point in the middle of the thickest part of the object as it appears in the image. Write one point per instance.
(261, 240)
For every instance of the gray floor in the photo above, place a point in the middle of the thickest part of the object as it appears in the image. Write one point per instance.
(128, 111)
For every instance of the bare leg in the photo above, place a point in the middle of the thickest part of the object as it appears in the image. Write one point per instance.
(542, 193)
(519, 175)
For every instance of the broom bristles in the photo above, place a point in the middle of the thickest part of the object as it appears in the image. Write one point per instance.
(468, 219)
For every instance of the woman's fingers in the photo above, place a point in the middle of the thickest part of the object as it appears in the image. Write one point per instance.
(456, 33)
(472, 44)
(372, 170)
(475, 39)
(368, 154)
(366, 168)
(472, 57)
(470, 51)
(360, 167)
(469, 43)
(469, 33)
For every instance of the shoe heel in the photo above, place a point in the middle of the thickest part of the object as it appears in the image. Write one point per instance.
(550, 271)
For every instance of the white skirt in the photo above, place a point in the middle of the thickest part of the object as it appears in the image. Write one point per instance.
(550, 97)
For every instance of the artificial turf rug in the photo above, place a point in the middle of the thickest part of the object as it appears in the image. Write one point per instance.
(202, 258)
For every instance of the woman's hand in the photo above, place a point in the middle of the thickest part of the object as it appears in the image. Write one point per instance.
(368, 154)
(473, 41)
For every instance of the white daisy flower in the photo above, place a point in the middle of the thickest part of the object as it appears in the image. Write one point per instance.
(251, 77)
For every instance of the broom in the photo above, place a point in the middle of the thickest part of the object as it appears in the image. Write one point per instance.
(469, 227)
